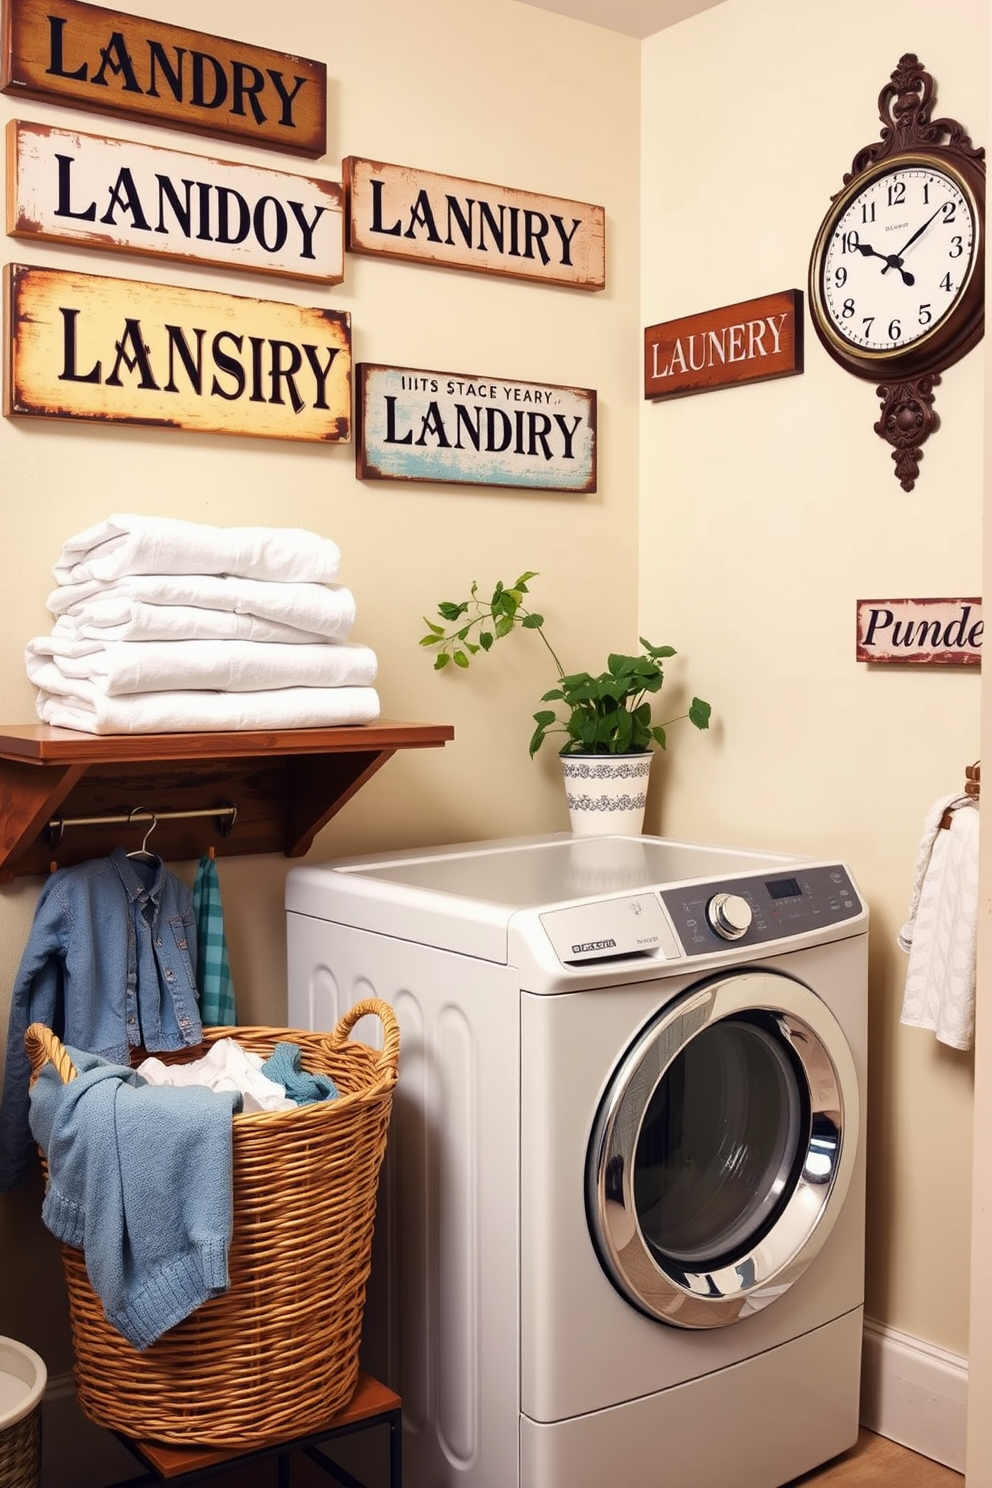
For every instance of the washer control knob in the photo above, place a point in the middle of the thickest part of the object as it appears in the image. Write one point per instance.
(729, 915)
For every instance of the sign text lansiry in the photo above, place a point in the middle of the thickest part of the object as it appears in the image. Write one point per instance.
(81, 346)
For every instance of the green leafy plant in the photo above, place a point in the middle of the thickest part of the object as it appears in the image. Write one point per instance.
(609, 713)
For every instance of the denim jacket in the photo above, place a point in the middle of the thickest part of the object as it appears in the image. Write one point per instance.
(109, 965)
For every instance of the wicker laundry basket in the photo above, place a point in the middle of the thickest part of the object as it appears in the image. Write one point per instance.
(23, 1377)
(277, 1354)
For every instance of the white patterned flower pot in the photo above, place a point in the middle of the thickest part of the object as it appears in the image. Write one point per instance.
(606, 792)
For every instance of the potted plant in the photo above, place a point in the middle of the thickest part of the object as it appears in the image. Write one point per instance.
(605, 717)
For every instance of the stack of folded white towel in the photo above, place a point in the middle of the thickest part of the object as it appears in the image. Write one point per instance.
(164, 626)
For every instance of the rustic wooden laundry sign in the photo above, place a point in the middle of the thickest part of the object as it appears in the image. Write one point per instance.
(118, 195)
(402, 212)
(84, 56)
(749, 342)
(485, 431)
(945, 632)
(81, 346)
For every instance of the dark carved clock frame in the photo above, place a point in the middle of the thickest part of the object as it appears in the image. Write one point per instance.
(908, 417)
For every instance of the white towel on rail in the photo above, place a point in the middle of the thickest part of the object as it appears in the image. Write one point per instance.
(931, 827)
(130, 544)
(320, 609)
(941, 934)
(211, 712)
(83, 668)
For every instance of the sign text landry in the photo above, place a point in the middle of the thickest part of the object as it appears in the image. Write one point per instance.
(82, 55)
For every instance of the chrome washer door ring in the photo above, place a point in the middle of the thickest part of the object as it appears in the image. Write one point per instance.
(723, 1150)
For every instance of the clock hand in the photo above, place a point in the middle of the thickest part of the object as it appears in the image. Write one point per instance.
(917, 234)
(892, 261)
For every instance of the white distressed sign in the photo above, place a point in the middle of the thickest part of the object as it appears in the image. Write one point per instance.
(404, 212)
(924, 631)
(81, 346)
(485, 431)
(115, 194)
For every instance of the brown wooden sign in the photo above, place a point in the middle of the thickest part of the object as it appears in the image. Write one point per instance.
(80, 346)
(63, 51)
(115, 194)
(402, 212)
(749, 342)
(466, 429)
(945, 632)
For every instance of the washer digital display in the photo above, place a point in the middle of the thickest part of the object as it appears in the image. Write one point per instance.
(784, 888)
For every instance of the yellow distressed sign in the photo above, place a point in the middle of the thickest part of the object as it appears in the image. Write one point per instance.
(81, 346)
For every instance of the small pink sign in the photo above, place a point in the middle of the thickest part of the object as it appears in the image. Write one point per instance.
(928, 632)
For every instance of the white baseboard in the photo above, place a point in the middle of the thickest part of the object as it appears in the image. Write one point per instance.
(915, 1394)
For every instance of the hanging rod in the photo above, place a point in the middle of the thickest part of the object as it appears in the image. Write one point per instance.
(227, 814)
(972, 789)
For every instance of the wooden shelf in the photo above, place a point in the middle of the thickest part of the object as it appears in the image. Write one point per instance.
(285, 783)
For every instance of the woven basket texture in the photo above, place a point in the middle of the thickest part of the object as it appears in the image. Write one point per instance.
(277, 1354)
(20, 1452)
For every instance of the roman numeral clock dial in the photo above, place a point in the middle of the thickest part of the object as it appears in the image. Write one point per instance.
(896, 280)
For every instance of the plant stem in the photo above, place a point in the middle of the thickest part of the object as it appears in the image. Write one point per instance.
(558, 666)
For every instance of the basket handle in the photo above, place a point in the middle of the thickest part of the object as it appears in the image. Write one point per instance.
(43, 1045)
(389, 1054)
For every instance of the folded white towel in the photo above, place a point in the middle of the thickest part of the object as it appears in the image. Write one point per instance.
(211, 712)
(941, 934)
(129, 544)
(326, 610)
(84, 668)
(186, 623)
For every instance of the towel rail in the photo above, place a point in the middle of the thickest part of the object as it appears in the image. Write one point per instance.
(972, 789)
(225, 815)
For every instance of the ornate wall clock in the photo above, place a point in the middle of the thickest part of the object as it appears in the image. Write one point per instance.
(896, 277)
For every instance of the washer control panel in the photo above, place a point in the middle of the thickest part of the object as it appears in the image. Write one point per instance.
(760, 908)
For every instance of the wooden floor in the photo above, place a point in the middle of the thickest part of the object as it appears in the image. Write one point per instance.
(874, 1463)
(877, 1462)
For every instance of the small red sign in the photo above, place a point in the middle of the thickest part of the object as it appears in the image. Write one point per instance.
(749, 342)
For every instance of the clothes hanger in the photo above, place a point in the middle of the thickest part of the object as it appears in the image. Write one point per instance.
(143, 851)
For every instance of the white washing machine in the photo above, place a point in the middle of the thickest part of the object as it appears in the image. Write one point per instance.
(621, 1230)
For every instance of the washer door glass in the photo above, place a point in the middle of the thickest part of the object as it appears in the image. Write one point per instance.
(721, 1144)
(723, 1149)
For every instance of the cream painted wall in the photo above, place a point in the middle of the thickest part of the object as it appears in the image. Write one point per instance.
(764, 512)
(767, 511)
(978, 1462)
(495, 92)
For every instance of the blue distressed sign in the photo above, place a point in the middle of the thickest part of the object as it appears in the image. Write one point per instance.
(463, 429)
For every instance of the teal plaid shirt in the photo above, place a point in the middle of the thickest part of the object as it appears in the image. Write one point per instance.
(213, 972)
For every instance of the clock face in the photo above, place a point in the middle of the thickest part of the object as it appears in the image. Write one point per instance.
(894, 259)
